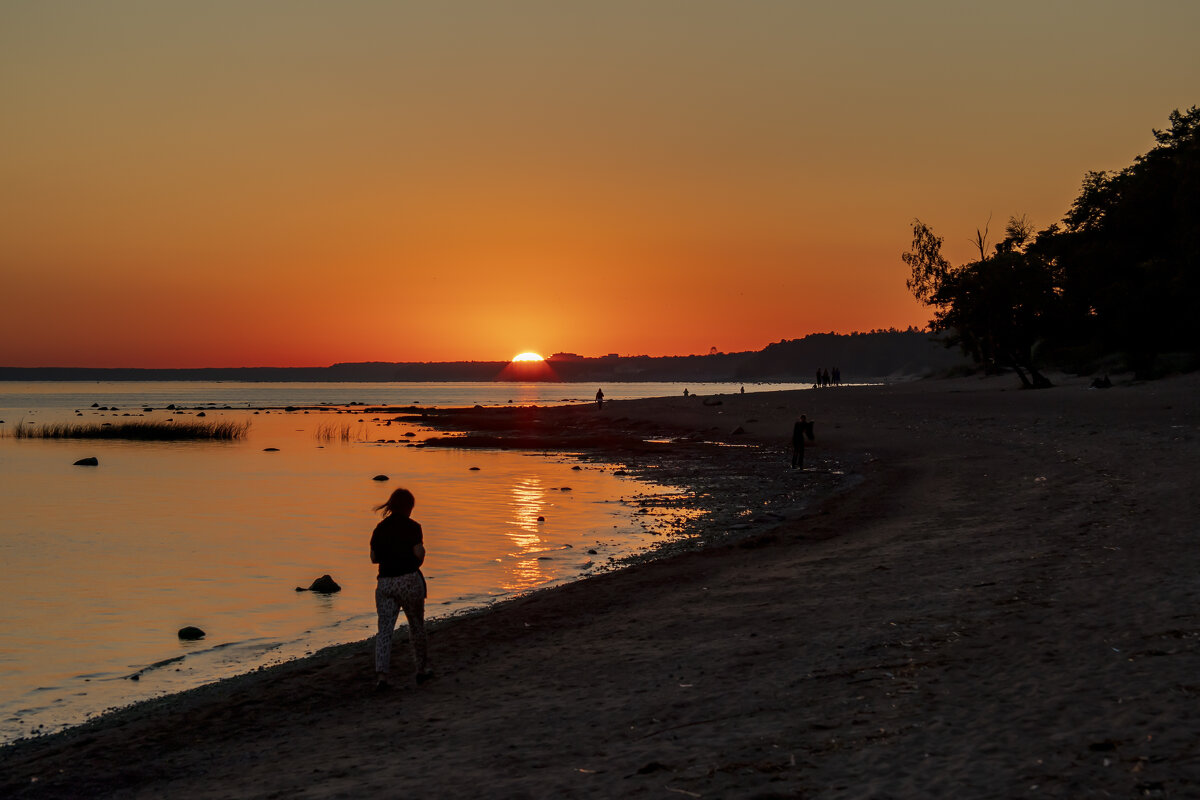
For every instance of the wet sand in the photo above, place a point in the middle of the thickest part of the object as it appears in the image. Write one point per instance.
(971, 591)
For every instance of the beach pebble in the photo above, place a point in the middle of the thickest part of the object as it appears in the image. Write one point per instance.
(324, 584)
(380, 478)
(191, 633)
(90, 461)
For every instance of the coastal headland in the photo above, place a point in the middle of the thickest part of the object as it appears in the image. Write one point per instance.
(970, 590)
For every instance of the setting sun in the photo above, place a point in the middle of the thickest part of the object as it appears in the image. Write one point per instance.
(528, 357)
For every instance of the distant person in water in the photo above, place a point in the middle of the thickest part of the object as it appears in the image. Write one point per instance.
(801, 430)
(685, 392)
(599, 398)
(398, 547)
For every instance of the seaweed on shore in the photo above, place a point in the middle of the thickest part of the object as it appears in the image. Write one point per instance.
(142, 431)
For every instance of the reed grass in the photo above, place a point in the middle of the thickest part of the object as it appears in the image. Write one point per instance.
(334, 431)
(143, 431)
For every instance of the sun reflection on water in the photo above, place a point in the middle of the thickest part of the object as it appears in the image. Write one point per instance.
(528, 503)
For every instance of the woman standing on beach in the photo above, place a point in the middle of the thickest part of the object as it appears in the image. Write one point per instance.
(398, 548)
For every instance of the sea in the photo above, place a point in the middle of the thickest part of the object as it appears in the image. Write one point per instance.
(103, 565)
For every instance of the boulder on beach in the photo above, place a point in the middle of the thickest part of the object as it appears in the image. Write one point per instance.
(90, 461)
(191, 633)
(324, 584)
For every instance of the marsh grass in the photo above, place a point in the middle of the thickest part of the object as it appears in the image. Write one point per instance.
(335, 431)
(169, 431)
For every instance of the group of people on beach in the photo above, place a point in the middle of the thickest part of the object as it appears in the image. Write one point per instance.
(825, 377)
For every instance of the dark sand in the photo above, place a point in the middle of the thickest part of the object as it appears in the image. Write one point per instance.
(999, 599)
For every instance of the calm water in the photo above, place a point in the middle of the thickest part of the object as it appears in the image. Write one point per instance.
(104, 564)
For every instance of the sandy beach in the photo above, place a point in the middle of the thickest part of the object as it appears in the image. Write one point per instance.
(970, 591)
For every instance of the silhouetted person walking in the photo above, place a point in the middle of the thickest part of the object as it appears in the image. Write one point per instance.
(599, 398)
(397, 546)
(803, 429)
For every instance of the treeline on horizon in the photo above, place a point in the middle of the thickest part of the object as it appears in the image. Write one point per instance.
(1114, 287)
(859, 356)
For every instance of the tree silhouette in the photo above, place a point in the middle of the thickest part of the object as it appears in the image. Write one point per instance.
(998, 309)
(1120, 275)
(1130, 251)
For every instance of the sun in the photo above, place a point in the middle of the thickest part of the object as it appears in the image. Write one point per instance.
(528, 357)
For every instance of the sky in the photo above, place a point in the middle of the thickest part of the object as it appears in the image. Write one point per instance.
(293, 183)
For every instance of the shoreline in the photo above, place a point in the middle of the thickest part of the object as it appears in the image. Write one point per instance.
(979, 615)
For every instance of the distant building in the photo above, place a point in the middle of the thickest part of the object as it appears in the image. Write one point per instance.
(566, 357)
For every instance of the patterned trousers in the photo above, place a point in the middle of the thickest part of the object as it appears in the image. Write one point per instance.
(392, 594)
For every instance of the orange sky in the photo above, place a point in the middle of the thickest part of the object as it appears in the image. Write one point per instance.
(300, 183)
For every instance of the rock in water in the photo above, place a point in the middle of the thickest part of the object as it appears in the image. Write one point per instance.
(324, 584)
(380, 478)
(191, 633)
(91, 461)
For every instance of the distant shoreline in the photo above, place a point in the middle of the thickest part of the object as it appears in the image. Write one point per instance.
(875, 354)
